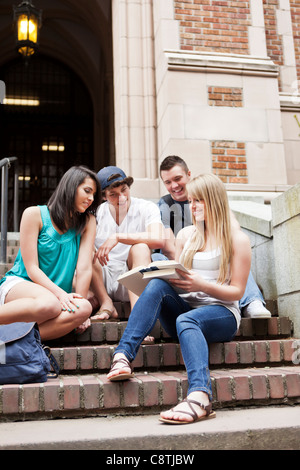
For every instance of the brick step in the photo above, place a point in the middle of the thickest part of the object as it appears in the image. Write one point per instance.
(111, 332)
(93, 395)
(84, 358)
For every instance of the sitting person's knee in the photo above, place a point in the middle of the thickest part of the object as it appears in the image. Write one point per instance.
(140, 250)
(85, 309)
(186, 321)
(47, 308)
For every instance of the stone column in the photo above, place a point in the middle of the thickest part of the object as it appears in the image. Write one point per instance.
(289, 96)
(288, 72)
(134, 93)
(257, 33)
(286, 229)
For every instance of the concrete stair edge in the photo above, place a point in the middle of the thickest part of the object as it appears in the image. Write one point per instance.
(269, 428)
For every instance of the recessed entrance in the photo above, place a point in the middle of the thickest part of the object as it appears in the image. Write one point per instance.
(47, 123)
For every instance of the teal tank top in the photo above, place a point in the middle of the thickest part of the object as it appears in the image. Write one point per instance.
(57, 254)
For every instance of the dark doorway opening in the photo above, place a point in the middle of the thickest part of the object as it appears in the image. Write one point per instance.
(47, 123)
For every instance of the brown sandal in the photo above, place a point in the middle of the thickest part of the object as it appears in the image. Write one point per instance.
(121, 375)
(208, 409)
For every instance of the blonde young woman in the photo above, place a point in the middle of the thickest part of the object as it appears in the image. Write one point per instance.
(219, 259)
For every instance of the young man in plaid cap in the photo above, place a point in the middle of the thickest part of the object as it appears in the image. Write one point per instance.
(128, 228)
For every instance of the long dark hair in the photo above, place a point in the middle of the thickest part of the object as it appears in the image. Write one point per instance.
(61, 203)
(169, 162)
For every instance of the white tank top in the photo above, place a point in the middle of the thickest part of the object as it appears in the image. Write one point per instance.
(207, 264)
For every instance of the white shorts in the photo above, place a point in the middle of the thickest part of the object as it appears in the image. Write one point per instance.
(111, 272)
(8, 284)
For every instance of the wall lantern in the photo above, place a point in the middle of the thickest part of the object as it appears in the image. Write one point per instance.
(28, 20)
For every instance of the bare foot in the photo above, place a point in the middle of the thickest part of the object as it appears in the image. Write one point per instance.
(81, 328)
(107, 311)
(148, 340)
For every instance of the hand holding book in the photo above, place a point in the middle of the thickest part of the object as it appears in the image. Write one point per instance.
(137, 278)
(188, 282)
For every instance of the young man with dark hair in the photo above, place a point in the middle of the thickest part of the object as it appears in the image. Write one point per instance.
(174, 207)
(175, 214)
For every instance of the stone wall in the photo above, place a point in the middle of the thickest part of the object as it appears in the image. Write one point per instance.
(274, 231)
(255, 219)
(286, 230)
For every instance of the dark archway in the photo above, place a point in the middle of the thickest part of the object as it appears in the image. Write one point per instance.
(49, 131)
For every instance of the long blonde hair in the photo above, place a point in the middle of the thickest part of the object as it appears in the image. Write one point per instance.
(211, 190)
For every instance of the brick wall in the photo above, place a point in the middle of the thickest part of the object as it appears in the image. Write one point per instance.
(208, 25)
(222, 26)
(229, 161)
(273, 39)
(228, 157)
(225, 96)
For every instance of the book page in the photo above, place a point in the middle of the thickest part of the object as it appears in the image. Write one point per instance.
(136, 280)
(165, 264)
(138, 269)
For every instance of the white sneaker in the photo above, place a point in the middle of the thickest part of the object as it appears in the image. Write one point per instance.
(256, 309)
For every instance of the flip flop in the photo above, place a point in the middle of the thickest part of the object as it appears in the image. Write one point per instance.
(121, 375)
(105, 310)
(208, 409)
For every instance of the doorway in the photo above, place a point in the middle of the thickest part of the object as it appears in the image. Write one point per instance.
(47, 123)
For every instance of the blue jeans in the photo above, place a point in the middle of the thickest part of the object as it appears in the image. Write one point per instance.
(195, 329)
(251, 293)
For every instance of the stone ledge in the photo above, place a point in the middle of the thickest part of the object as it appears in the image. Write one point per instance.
(286, 206)
(253, 216)
(147, 188)
(290, 101)
(221, 63)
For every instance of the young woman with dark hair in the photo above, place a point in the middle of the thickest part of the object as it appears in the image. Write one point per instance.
(56, 240)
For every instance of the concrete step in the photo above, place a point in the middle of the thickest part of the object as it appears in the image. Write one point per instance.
(268, 428)
(93, 395)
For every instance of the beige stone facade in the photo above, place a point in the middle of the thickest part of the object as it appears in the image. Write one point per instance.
(214, 82)
(225, 99)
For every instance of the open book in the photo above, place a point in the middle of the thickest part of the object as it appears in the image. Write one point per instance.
(137, 278)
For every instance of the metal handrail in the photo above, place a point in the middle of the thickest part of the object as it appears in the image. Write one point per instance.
(5, 164)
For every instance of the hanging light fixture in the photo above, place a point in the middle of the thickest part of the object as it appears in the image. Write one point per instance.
(28, 20)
